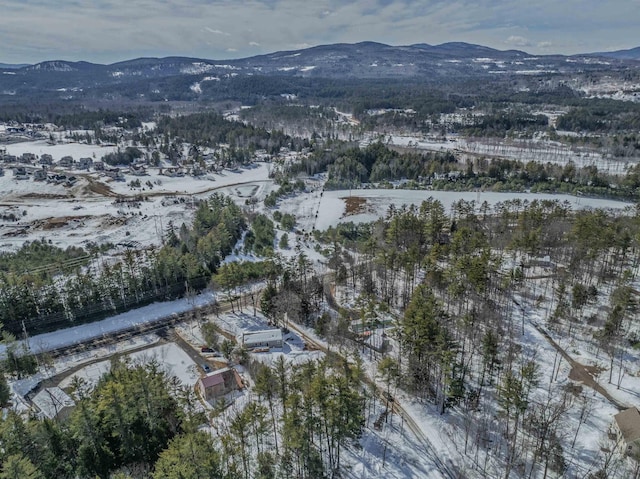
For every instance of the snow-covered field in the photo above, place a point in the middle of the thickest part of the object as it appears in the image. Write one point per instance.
(332, 206)
(542, 151)
(85, 213)
(170, 356)
(57, 151)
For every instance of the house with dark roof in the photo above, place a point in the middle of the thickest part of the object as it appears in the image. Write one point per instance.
(66, 162)
(85, 163)
(628, 431)
(46, 159)
(219, 383)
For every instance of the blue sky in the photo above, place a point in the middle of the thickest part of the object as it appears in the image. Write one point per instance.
(107, 31)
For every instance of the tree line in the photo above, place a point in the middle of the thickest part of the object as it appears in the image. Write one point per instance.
(34, 302)
(464, 283)
(138, 421)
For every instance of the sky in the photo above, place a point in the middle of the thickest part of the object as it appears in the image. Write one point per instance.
(107, 31)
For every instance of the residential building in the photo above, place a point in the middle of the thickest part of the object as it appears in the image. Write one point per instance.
(218, 383)
(627, 425)
(40, 175)
(268, 338)
(28, 158)
(54, 403)
(20, 173)
(85, 163)
(66, 162)
(46, 159)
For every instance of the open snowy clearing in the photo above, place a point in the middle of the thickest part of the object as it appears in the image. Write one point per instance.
(332, 205)
(57, 151)
(89, 212)
(170, 356)
(541, 151)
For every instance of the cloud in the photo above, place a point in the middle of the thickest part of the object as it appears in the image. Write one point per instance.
(546, 45)
(102, 31)
(217, 32)
(518, 41)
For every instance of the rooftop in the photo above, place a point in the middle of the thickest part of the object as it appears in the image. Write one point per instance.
(214, 378)
(52, 400)
(262, 336)
(628, 422)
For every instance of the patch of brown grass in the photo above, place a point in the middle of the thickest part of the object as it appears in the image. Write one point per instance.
(354, 205)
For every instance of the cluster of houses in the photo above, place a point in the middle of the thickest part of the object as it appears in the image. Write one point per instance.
(29, 166)
(46, 160)
(17, 131)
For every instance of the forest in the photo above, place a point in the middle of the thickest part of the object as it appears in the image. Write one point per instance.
(140, 422)
(467, 297)
(348, 166)
(460, 333)
(37, 300)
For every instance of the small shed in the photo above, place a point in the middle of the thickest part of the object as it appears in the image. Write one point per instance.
(218, 383)
(268, 338)
(54, 403)
(628, 430)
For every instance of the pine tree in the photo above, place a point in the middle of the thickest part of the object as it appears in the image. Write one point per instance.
(189, 456)
(18, 466)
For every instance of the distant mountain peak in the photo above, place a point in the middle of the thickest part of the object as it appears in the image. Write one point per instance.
(13, 66)
(192, 79)
(53, 66)
(629, 54)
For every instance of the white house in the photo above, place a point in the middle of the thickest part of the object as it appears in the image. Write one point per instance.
(268, 338)
(54, 403)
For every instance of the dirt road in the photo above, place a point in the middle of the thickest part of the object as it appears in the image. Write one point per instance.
(580, 372)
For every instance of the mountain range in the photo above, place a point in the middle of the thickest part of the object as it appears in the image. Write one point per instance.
(631, 54)
(190, 78)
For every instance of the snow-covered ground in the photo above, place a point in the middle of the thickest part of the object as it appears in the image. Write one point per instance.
(331, 209)
(170, 356)
(136, 317)
(542, 151)
(57, 151)
(77, 215)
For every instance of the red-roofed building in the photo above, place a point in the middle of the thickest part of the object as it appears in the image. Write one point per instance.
(219, 383)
